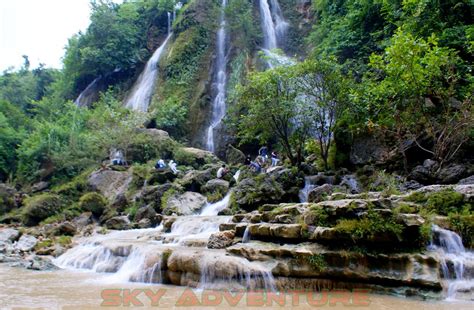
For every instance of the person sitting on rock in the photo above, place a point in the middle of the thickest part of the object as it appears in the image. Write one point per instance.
(160, 164)
(117, 159)
(255, 166)
(173, 166)
(222, 172)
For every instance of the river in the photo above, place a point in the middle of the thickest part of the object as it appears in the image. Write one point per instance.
(64, 289)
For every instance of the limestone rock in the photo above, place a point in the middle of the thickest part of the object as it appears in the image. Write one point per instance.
(110, 183)
(221, 240)
(26, 243)
(467, 181)
(9, 235)
(148, 213)
(118, 223)
(40, 207)
(280, 231)
(39, 187)
(234, 156)
(317, 194)
(195, 179)
(216, 186)
(184, 204)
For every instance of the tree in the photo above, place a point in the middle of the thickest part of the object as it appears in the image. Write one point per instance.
(267, 109)
(422, 91)
(323, 91)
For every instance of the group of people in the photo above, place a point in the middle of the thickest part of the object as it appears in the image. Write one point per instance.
(262, 160)
(160, 164)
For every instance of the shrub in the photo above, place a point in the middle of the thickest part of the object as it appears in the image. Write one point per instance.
(464, 226)
(370, 227)
(40, 207)
(445, 202)
(93, 202)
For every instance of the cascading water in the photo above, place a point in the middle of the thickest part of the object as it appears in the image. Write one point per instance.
(268, 26)
(142, 255)
(87, 96)
(308, 187)
(220, 81)
(457, 264)
(140, 96)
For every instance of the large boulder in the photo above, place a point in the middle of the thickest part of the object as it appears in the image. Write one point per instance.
(152, 195)
(195, 179)
(26, 243)
(451, 174)
(368, 149)
(40, 207)
(234, 156)
(149, 213)
(184, 204)
(215, 189)
(7, 198)
(161, 176)
(9, 235)
(118, 223)
(467, 181)
(221, 239)
(281, 185)
(319, 193)
(110, 183)
(196, 158)
(93, 202)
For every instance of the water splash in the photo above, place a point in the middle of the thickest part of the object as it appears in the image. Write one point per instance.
(454, 260)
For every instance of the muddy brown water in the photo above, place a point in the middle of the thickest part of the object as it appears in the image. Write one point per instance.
(65, 289)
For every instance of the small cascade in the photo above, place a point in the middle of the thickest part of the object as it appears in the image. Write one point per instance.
(246, 236)
(88, 95)
(193, 230)
(141, 93)
(457, 264)
(220, 81)
(213, 209)
(308, 187)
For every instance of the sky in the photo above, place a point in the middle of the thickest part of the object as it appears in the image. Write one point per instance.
(39, 29)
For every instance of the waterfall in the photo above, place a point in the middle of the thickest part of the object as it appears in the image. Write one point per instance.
(169, 23)
(454, 260)
(308, 187)
(220, 81)
(141, 93)
(281, 25)
(88, 95)
(246, 236)
(268, 27)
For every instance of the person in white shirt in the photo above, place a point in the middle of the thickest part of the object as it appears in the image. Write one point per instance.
(173, 168)
(222, 172)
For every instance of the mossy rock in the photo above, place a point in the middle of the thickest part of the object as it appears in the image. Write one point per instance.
(93, 202)
(7, 201)
(40, 207)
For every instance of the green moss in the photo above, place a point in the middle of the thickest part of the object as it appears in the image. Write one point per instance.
(45, 243)
(369, 227)
(417, 197)
(214, 197)
(405, 208)
(463, 224)
(73, 190)
(166, 196)
(93, 202)
(445, 202)
(40, 207)
(320, 216)
(64, 240)
(316, 261)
